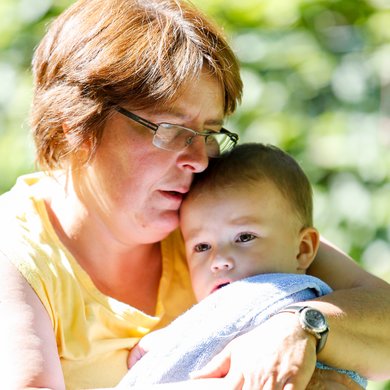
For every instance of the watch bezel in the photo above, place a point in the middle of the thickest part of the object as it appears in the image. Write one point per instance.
(307, 320)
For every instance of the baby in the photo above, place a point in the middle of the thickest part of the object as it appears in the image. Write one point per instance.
(248, 215)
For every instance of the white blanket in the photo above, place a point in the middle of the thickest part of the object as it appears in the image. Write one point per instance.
(190, 341)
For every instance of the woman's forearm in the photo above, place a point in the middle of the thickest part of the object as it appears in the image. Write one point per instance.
(358, 313)
(359, 322)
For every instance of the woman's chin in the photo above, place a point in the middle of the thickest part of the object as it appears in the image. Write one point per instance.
(164, 224)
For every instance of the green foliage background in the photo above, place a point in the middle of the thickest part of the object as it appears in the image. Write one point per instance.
(317, 83)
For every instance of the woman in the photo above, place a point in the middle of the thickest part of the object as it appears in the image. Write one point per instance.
(92, 260)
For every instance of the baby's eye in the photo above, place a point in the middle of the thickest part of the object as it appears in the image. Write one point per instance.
(245, 237)
(202, 247)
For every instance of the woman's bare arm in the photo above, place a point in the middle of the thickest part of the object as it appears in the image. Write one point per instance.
(28, 353)
(358, 312)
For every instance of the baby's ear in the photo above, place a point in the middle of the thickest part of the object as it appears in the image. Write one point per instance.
(308, 247)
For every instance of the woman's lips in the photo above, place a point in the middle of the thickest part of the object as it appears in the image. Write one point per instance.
(174, 197)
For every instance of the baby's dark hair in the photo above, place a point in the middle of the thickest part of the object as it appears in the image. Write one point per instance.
(252, 162)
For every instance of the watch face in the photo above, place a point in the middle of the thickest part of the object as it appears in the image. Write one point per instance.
(315, 319)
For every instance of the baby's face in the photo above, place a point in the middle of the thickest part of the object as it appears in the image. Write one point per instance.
(237, 233)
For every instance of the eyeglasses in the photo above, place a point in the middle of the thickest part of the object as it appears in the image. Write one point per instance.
(175, 138)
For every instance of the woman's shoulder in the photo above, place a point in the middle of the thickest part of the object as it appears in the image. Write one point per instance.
(27, 239)
(23, 214)
(21, 197)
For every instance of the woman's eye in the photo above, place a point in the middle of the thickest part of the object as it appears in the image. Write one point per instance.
(202, 247)
(245, 237)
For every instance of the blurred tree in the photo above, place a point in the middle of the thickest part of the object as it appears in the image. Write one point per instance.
(317, 83)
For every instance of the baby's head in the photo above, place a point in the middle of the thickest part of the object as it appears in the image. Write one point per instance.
(250, 212)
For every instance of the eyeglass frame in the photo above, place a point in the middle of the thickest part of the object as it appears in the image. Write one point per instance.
(154, 127)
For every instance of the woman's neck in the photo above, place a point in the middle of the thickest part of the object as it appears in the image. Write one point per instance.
(127, 272)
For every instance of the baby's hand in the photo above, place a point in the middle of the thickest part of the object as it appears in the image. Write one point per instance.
(135, 354)
(147, 342)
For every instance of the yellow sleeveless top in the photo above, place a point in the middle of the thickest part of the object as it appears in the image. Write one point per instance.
(93, 331)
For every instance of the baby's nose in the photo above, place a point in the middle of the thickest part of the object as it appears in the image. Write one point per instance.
(221, 263)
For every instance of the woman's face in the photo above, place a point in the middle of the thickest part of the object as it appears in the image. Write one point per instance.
(132, 188)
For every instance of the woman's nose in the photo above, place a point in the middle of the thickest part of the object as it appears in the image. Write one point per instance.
(221, 263)
(194, 156)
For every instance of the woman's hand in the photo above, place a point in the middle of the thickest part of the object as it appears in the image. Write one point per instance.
(279, 354)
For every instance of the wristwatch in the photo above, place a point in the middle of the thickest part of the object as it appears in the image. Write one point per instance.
(312, 321)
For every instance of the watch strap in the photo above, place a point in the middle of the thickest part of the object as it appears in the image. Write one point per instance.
(320, 336)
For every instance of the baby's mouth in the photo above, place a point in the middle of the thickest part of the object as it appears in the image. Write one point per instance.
(219, 286)
(222, 285)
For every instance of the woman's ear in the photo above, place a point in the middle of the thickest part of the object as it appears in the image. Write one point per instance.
(309, 241)
(81, 155)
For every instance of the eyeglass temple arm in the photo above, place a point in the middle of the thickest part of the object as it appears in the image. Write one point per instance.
(136, 118)
(233, 136)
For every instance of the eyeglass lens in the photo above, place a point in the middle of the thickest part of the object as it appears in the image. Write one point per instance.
(171, 137)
